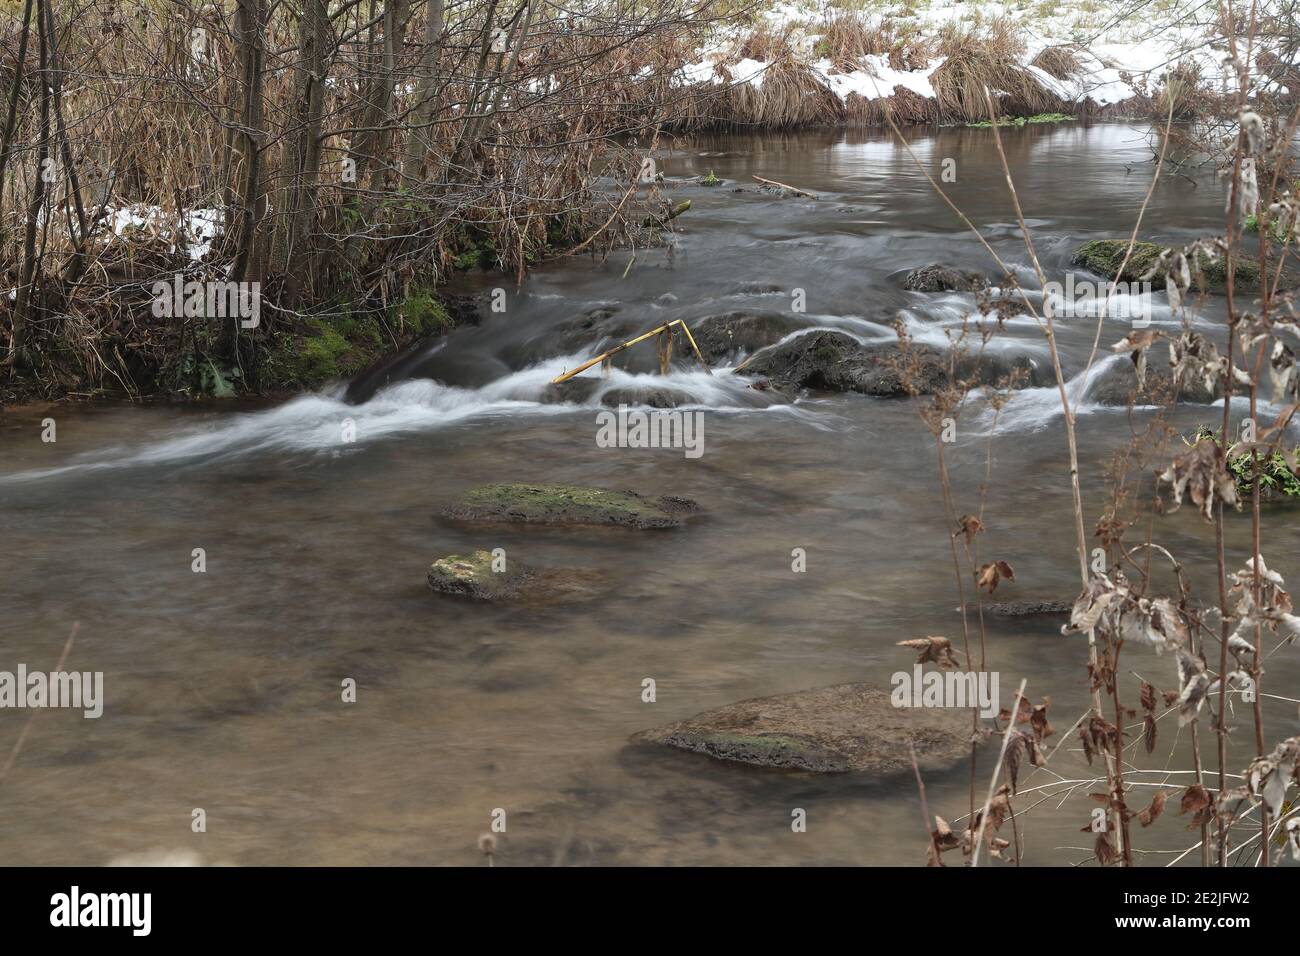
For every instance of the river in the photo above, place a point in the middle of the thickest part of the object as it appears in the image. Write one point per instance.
(223, 688)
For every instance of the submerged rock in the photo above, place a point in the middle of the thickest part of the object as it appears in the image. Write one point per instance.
(840, 729)
(940, 278)
(472, 576)
(1027, 608)
(440, 316)
(1006, 306)
(580, 390)
(592, 329)
(833, 361)
(1117, 386)
(653, 397)
(576, 391)
(569, 504)
(731, 334)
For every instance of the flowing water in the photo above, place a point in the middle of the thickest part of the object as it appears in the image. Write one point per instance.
(223, 688)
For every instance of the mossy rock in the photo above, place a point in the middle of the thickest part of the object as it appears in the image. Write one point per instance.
(569, 505)
(847, 728)
(836, 362)
(472, 576)
(1103, 257)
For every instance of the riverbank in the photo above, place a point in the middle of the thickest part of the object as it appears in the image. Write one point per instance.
(347, 238)
(864, 65)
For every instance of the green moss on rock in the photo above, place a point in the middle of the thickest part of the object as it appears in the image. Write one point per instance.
(1103, 256)
(568, 504)
(473, 576)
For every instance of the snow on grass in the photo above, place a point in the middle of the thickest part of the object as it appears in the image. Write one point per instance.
(1121, 55)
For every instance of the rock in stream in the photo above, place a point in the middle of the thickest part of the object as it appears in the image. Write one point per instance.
(840, 729)
(569, 505)
(941, 278)
(472, 576)
(833, 361)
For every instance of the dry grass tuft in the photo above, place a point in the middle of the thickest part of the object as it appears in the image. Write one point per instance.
(1061, 62)
(977, 56)
(791, 94)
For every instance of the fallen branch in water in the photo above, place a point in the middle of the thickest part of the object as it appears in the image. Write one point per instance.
(773, 182)
(668, 217)
(665, 329)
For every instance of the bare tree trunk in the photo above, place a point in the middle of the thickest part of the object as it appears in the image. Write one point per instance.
(11, 119)
(419, 138)
(304, 150)
(76, 265)
(251, 203)
(23, 300)
(376, 136)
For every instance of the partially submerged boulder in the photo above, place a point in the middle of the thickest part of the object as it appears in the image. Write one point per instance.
(575, 391)
(840, 729)
(1103, 257)
(471, 575)
(581, 389)
(1118, 386)
(569, 504)
(650, 396)
(833, 361)
(941, 278)
(731, 334)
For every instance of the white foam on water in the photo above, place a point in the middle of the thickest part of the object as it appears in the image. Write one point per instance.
(1034, 409)
(314, 423)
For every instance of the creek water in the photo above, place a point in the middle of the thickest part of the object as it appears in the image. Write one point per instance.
(223, 688)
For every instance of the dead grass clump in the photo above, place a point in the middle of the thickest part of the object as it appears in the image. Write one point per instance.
(910, 51)
(847, 37)
(766, 45)
(1061, 62)
(790, 94)
(978, 56)
(1181, 87)
(907, 107)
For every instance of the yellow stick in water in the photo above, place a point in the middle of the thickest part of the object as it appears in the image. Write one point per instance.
(665, 329)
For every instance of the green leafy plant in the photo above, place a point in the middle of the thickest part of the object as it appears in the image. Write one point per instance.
(205, 377)
(1276, 230)
(1276, 479)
